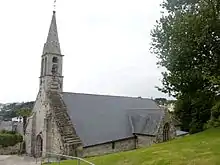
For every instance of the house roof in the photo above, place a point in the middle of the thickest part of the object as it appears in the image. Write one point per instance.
(101, 118)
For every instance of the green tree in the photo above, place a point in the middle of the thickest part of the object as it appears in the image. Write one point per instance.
(186, 41)
(24, 113)
(10, 110)
(215, 116)
(8, 138)
(160, 101)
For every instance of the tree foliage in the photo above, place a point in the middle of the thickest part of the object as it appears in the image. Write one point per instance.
(24, 113)
(186, 40)
(10, 110)
(9, 138)
(215, 116)
(160, 101)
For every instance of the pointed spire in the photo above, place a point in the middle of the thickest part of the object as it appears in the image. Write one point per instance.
(53, 35)
(52, 44)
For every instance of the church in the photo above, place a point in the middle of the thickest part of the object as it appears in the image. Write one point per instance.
(86, 124)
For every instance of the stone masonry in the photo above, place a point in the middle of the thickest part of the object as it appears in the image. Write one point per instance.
(69, 138)
(10, 150)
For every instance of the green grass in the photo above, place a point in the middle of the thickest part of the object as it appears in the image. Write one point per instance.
(198, 149)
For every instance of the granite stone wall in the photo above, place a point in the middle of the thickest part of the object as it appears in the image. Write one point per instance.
(55, 138)
(117, 146)
(11, 150)
(28, 135)
(123, 145)
(172, 129)
(36, 124)
(145, 141)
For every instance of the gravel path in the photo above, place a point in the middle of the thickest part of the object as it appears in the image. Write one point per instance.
(16, 160)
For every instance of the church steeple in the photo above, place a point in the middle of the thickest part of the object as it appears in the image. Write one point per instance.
(52, 44)
(52, 60)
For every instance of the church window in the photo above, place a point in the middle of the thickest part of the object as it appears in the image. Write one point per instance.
(42, 67)
(45, 68)
(39, 146)
(54, 68)
(113, 145)
(166, 132)
(55, 60)
(135, 141)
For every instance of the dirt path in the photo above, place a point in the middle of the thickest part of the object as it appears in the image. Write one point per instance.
(16, 160)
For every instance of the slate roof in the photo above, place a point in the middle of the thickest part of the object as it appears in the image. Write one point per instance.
(145, 121)
(100, 118)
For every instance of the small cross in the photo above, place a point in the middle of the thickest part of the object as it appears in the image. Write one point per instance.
(54, 5)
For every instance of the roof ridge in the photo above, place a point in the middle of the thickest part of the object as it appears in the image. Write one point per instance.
(138, 97)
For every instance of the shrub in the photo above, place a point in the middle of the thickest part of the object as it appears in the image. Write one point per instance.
(9, 138)
(7, 132)
(215, 116)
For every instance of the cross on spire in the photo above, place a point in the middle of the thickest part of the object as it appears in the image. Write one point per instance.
(54, 5)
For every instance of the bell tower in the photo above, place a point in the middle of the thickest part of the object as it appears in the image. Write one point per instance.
(51, 78)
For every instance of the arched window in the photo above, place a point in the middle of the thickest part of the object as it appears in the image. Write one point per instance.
(45, 68)
(54, 69)
(113, 145)
(166, 132)
(42, 67)
(55, 60)
(39, 146)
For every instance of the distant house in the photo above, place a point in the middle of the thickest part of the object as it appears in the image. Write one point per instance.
(17, 127)
(17, 119)
(15, 124)
(6, 125)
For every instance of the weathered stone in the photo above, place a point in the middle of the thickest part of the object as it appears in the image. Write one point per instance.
(117, 146)
(172, 130)
(145, 141)
(10, 150)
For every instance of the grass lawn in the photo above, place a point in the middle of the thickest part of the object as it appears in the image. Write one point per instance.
(198, 149)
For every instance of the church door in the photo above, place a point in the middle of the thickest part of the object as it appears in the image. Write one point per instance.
(166, 132)
(39, 146)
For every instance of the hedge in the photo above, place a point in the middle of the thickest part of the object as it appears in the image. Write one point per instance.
(8, 138)
(7, 132)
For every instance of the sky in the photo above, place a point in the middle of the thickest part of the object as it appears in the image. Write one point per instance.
(105, 46)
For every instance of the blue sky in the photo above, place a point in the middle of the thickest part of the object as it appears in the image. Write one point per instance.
(105, 43)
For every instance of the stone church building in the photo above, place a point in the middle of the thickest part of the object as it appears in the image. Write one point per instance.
(86, 124)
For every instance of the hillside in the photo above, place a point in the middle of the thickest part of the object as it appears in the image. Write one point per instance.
(198, 149)
(9, 110)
